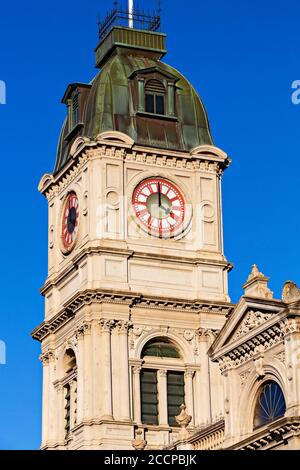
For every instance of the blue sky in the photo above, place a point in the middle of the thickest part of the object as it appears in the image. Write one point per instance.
(241, 56)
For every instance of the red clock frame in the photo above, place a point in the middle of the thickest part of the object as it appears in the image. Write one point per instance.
(159, 207)
(70, 221)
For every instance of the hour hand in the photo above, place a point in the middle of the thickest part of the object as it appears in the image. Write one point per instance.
(167, 210)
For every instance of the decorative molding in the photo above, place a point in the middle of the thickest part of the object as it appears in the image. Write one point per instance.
(189, 373)
(139, 442)
(189, 335)
(119, 146)
(290, 292)
(280, 356)
(123, 327)
(257, 285)
(275, 434)
(106, 325)
(136, 370)
(47, 357)
(83, 329)
(67, 179)
(162, 372)
(250, 349)
(89, 297)
(251, 320)
(243, 377)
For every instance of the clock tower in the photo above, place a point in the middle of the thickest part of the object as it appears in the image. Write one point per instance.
(137, 277)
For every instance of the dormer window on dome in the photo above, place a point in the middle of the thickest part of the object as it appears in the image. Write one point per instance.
(154, 93)
(75, 98)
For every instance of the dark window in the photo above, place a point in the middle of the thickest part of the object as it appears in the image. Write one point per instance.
(160, 348)
(155, 97)
(175, 391)
(155, 104)
(160, 104)
(67, 408)
(150, 103)
(149, 399)
(270, 404)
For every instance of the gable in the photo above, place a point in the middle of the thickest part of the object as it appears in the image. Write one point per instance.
(248, 318)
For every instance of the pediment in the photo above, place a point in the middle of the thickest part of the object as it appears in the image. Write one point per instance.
(151, 70)
(249, 316)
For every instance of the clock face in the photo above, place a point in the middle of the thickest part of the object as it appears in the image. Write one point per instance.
(70, 221)
(159, 206)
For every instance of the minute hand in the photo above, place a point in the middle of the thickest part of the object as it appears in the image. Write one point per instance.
(159, 195)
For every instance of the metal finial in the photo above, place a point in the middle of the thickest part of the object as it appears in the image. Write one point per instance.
(130, 13)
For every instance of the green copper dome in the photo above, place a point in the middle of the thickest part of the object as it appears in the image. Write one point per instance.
(115, 100)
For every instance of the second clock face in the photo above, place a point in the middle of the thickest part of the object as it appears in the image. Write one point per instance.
(70, 221)
(159, 206)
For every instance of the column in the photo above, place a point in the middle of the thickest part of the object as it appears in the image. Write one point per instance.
(97, 371)
(88, 373)
(124, 371)
(53, 410)
(45, 426)
(171, 96)
(189, 393)
(162, 397)
(136, 393)
(80, 374)
(141, 94)
(106, 369)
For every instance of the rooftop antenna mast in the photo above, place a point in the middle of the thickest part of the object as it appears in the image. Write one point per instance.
(130, 13)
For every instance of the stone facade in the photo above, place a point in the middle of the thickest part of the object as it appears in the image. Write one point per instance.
(114, 289)
(120, 288)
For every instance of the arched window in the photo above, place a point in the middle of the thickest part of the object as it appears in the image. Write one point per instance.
(69, 361)
(70, 390)
(160, 348)
(155, 97)
(161, 381)
(270, 404)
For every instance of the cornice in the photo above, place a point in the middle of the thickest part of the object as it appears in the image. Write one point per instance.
(276, 433)
(257, 341)
(208, 158)
(53, 280)
(89, 297)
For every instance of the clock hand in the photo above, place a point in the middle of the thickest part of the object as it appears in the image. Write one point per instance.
(159, 195)
(166, 209)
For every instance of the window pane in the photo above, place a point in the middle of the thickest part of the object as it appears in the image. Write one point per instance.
(149, 103)
(160, 104)
(270, 405)
(175, 390)
(160, 348)
(149, 399)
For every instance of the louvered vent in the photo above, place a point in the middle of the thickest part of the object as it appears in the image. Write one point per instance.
(67, 409)
(75, 109)
(155, 86)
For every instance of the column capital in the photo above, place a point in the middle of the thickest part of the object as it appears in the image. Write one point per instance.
(136, 370)
(84, 329)
(189, 373)
(47, 356)
(123, 326)
(162, 372)
(106, 325)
